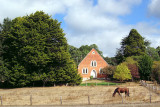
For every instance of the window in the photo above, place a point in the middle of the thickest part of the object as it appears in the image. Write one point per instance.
(93, 63)
(84, 71)
(93, 52)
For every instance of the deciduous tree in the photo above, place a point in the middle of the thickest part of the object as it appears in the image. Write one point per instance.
(109, 71)
(133, 67)
(122, 73)
(156, 71)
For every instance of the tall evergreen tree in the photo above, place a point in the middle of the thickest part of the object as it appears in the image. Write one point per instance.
(4, 29)
(145, 67)
(132, 45)
(36, 50)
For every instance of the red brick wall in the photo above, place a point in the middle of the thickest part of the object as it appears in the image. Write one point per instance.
(86, 63)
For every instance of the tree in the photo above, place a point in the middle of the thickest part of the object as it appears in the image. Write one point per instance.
(109, 71)
(119, 56)
(133, 67)
(145, 67)
(152, 52)
(4, 72)
(85, 49)
(111, 60)
(158, 50)
(122, 73)
(132, 45)
(4, 27)
(156, 71)
(76, 54)
(36, 45)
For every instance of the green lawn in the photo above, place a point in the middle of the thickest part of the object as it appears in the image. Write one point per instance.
(99, 84)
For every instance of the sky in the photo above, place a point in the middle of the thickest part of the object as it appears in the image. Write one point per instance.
(101, 22)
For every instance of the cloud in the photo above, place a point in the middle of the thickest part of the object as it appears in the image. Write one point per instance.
(150, 31)
(154, 8)
(16, 8)
(117, 7)
(85, 22)
(98, 25)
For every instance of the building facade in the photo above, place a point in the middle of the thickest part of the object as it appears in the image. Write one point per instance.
(92, 65)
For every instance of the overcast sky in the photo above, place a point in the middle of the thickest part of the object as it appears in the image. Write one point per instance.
(100, 22)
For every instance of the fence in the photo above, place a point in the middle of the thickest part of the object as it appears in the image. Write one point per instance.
(154, 87)
(78, 99)
(80, 95)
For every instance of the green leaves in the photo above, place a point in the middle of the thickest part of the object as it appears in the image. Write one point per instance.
(145, 67)
(122, 73)
(152, 52)
(36, 50)
(132, 45)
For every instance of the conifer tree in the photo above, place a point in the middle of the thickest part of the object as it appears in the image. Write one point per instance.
(145, 67)
(36, 50)
(132, 45)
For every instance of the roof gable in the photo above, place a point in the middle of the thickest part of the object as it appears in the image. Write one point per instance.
(93, 55)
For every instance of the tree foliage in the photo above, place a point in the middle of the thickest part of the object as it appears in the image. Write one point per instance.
(132, 45)
(111, 60)
(153, 53)
(145, 67)
(133, 67)
(35, 49)
(158, 50)
(122, 73)
(109, 71)
(156, 71)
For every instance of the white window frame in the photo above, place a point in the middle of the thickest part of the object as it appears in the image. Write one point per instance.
(94, 63)
(85, 71)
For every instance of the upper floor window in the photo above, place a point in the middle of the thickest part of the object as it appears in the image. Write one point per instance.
(85, 71)
(93, 63)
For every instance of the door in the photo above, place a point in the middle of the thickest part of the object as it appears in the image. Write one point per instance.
(94, 74)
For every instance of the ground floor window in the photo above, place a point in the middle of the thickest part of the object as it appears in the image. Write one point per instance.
(85, 71)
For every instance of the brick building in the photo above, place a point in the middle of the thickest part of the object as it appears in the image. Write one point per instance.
(92, 65)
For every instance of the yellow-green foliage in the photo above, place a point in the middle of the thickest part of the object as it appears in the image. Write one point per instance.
(122, 73)
(156, 71)
(130, 60)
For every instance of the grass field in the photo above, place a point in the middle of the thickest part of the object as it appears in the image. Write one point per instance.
(77, 95)
(97, 83)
